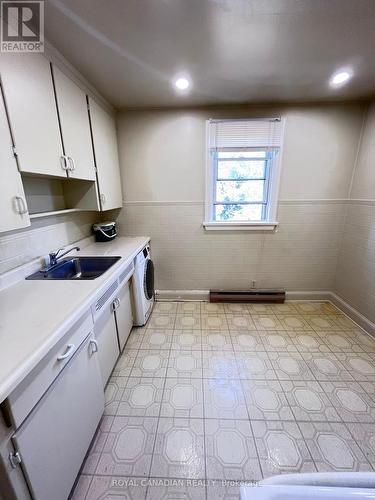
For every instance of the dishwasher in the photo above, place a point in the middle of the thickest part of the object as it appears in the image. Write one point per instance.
(52, 442)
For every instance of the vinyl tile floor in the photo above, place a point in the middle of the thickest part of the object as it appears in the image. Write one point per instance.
(207, 397)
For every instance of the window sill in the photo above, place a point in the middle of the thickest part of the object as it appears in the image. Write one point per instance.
(240, 226)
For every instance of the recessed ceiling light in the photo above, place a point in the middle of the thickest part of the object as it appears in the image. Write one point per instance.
(182, 83)
(340, 78)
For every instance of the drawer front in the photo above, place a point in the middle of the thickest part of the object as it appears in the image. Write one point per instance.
(28, 393)
(55, 437)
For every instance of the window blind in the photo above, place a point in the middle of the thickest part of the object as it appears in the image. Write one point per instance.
(249, 133)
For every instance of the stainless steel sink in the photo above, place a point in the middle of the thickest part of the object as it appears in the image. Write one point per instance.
(76, 268)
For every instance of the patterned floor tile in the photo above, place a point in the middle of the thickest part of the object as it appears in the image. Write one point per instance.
(266, 400)
(309, 342)
(240, 322)
(351, 401)
(281, 448)
(188, 307)
(186, 364)
(216, 340)
(322, 322)
(365, 340)
(125, 363)
(315, 308)
(224, 399)
(290, 366)
(361, 366)
(124, 488)
(223, 490)
(230, 450)
(218, 364)
(161, 321)
(326, 366)
(157, 339)
(150, 363)
(277, 341)
(187, 340)
(292, 322)
(135, 338)
(182, 398)
(188, 321)
(177, 491)
(179, 449)
(214, 322)
(165, 307)
(236, 309)
(333, 448)
(212, 308)
(128, 448)
(341, 341)
(364, 436)
(255, 365)
(309, 402)
(97, 445)
(285, 308)
(246, 341)
(141, 397)
(113, 394)
(260, 308)
(266, 322)
(345, 323)
(82, 487)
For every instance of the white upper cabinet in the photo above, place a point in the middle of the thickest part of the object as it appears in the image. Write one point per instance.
(13, 209)
(106, 157)
(31, 105)
(75, 127)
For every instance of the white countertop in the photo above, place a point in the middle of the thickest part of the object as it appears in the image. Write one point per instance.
(35, 315)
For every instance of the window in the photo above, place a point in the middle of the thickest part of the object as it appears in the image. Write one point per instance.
(242, 173)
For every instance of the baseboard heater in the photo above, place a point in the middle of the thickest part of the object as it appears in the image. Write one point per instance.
(276, 295)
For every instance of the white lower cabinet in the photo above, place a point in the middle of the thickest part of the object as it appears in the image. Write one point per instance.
(53, 440)
(106, 336)
(123, 313)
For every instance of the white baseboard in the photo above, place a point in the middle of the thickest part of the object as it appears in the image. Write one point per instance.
(353, 314)
(179, 295)
(336, 300)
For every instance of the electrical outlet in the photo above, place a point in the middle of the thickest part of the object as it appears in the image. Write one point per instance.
(253, 284)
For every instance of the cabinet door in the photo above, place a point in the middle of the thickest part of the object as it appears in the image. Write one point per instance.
(106, 157)
(13, 209)
(75, 127)
(55, 437)
(30, 100)
(106, 336)
(123, 312)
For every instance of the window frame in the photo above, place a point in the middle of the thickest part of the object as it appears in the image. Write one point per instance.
(273, 167)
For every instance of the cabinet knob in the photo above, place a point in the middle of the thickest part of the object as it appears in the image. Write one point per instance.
(72, 165)
(115, 304)
(94, 346)
(69, 351)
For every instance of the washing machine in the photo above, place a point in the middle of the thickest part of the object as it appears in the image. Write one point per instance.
(143, 287)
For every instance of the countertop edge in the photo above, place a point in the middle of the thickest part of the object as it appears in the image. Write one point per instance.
(25, 368)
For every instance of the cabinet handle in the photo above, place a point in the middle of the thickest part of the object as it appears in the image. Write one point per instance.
(72, 164)
(64, 160)
(94, 346)
(115, 304)
(102, 198)
(69, 351)
(21, 204)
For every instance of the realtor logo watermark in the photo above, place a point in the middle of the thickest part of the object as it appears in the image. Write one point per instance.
(22, 26)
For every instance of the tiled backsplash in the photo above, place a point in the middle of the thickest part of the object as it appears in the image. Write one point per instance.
(355, 277)
(44, 235)
(301, 255)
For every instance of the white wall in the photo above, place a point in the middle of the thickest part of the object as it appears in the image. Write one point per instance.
(355, 279)
(162, 155)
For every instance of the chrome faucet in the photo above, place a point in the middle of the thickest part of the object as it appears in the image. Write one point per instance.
(55, 256)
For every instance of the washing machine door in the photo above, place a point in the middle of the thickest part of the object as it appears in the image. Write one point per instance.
(149, 279)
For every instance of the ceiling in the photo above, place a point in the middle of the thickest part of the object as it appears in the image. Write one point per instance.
(234, 51)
